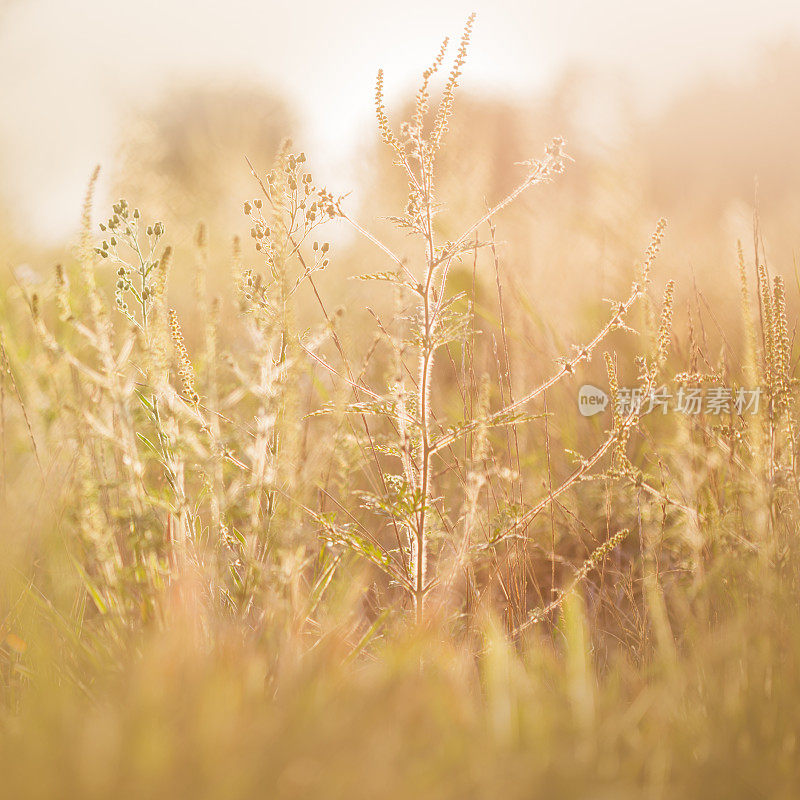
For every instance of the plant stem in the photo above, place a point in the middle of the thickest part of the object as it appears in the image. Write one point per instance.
(425, 370)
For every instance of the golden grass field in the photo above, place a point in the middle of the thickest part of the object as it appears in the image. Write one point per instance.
(298, 501)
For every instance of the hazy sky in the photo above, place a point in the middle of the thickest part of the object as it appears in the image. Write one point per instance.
(69, 67)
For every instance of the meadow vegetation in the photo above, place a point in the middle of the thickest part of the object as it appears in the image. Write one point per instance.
(315, 513)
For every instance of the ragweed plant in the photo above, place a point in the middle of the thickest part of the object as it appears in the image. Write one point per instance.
(202, 445)
(424, 446)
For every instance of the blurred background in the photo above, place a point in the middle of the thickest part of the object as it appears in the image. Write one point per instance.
(685, 110)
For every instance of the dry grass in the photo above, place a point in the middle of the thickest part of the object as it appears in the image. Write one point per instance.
(262, 543)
